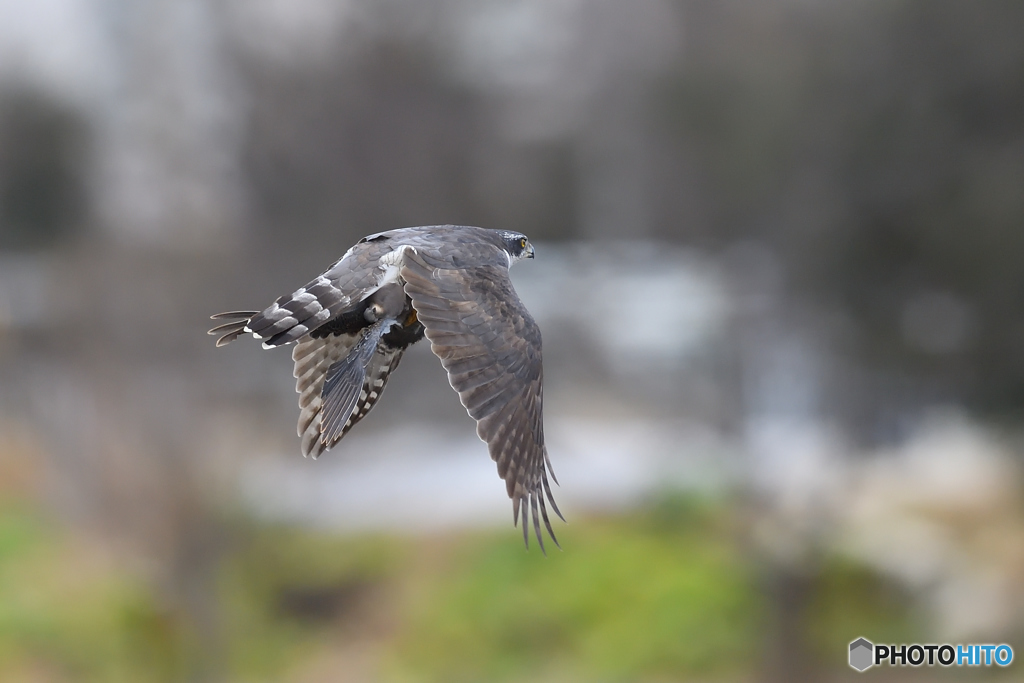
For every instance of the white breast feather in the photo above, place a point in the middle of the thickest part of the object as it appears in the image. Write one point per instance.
(391, 264)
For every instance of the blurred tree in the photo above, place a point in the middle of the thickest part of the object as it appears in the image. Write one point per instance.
(926, 254)
(876, 150)
(42, 169)
(879, 152)
(386, 139)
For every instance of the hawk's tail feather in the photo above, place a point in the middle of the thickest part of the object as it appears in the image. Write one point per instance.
(230, 331)
(294, 315)
(233, 314)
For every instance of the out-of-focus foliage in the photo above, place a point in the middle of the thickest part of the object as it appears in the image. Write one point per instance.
(664, 593)
(635, 598)
(284, 586)
(668, 593)
(847, 598)
(68, 613)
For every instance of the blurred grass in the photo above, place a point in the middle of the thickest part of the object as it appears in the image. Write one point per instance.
(66, 613)
(665, 593)
(850, 601)
(285, 587)
(659, 594)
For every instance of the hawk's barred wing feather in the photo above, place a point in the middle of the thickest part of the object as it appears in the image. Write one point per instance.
(344, 381)
(378, 372)
(491, 348)
(313, 358)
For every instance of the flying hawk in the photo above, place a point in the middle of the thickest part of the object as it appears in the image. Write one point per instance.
(351, 325)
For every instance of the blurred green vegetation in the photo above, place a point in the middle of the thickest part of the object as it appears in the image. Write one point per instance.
(850, 601)
(635, 596)
(67, 614)
(285, 588)
(667, 592)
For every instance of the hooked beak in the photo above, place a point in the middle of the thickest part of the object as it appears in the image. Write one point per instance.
(529, 252)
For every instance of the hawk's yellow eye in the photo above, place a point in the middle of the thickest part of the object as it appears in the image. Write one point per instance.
(522, 243)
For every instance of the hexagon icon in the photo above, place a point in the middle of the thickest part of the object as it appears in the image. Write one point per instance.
(861, 654)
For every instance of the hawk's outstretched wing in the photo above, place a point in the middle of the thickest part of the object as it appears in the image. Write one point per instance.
(491, 348)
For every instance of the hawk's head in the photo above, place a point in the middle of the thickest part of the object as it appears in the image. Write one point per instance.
(517, 245)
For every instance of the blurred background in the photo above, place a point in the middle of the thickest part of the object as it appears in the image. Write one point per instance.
(778, 275)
